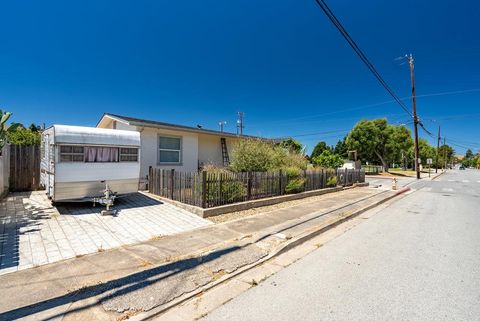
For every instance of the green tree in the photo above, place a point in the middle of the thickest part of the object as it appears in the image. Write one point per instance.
(318, 149)
(378, 142)
(292, 145)
(426, 150)
(469, 154)
(341, 148)
(4, 116)
(442, 151)
(398, 144)
(17, 134)
(328, 159)
(34, 128)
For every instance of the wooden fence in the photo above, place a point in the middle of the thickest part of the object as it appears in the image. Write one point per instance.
(24, 168)
(210, 189)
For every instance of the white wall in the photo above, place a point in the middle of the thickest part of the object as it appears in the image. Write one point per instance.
(210, 149)
(149, 156)
(196, 148)
(4, 170)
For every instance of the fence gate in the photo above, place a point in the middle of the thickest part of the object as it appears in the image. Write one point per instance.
(24, 168)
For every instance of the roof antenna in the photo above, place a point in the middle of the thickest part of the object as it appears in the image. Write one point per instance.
(240, 126)
(222, 124)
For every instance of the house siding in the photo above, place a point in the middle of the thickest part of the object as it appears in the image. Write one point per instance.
(210, 149)
(197, 148)
(189, 157)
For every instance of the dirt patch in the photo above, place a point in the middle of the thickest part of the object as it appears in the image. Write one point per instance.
(265, 209)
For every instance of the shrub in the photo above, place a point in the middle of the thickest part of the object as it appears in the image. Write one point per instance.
(229, 190)
(295, 160)
(255, 155)
(295, 181)
(19, 135)
(295, 185)
(332, 181)
(328, 159)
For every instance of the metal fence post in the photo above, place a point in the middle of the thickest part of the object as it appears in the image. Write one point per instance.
(280, 178)
(171, 183)
(149, 179)
(304, 180)
(204, 189)
(249, 185)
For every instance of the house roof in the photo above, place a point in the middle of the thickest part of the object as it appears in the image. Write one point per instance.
(156, 124)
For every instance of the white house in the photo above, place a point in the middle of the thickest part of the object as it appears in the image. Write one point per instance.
(171, 146)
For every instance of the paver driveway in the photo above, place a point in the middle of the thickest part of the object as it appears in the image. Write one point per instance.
(33, 232)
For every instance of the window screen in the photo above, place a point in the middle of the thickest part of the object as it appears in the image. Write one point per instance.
(129, 154)
(72, 154)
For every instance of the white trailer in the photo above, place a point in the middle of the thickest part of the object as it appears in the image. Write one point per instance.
(77, 163)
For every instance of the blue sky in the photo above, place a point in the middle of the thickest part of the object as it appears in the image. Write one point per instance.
(280, 62)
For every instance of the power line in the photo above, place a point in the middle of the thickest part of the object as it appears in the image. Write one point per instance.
(445, 93)
(322, 133)
(360, 53)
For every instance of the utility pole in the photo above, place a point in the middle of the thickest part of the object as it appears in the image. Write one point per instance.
(445, 151)
(240, 123)
(438, 149)
(222, 124)
(415, 118)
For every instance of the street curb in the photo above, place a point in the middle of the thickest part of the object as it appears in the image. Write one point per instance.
(435, 177)
(315, 231)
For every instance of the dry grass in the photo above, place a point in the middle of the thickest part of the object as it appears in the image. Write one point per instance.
(218, 274)
(156, 238)
(145, 263)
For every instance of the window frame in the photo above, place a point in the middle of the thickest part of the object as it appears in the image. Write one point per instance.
(60, 154)
(120, 154)
(180, 151)
(83, 154)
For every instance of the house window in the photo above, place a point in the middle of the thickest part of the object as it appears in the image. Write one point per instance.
(129, 154)
(71, 153)
(170, 150)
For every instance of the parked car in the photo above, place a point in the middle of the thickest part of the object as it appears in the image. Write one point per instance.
(462, 168)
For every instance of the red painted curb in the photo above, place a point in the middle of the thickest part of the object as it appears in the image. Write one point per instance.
(403, 190)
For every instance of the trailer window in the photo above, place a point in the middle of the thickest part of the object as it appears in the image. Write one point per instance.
(94, 154)
(71, 154)
(129, 154)
(170, 149)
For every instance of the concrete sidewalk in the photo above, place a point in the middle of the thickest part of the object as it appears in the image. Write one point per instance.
(118, 283)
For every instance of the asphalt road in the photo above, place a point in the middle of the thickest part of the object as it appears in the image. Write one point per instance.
(417, 259)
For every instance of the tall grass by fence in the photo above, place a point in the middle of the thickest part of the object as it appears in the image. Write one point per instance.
(210, 189)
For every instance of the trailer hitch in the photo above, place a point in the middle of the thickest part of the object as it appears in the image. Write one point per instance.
(108, 199)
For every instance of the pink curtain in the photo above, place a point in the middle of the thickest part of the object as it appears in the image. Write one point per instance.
(101, 154)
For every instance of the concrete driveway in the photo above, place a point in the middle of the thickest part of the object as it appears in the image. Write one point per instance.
(33, 232)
